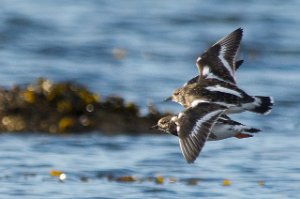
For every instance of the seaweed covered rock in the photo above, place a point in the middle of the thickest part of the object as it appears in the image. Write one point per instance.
(44, 106)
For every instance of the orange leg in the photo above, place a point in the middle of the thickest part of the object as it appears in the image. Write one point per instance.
(243, 135)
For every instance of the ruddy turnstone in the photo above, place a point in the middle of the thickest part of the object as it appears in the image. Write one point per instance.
(223, 93)
(193, 127)
(191, 120)
(216, 80)
(224, 128)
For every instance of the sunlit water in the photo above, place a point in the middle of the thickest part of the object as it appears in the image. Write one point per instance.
(159, 42)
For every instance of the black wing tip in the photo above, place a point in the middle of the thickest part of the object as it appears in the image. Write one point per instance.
(235, 35)
(240, 30)
(238, 34)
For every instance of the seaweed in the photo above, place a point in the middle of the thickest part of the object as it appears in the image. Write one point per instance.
(68, 107)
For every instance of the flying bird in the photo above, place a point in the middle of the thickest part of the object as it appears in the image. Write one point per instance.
(216, 80)
(223, 128)
(193, 127)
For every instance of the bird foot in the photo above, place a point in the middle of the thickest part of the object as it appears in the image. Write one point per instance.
(243, 135)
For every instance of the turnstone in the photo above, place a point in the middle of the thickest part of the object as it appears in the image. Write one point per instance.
(223, 93)
(185, 124)
(216, 81)
(224, 128)
(193, 127)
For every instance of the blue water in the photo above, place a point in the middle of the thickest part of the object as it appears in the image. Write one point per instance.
(142, 50)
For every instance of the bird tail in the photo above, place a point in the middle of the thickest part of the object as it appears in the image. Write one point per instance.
(262, 105)
(251, 130)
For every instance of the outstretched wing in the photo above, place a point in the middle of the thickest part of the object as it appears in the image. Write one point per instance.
(219, 61)
(196, 78)
(194, 126)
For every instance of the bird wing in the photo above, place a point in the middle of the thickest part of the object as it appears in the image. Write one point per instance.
(196, 78)
(194, 126)
(219, 61)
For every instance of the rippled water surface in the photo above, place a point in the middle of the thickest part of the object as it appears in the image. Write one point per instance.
(142, 50)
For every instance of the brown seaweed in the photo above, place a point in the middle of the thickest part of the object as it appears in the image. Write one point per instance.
(68, 107)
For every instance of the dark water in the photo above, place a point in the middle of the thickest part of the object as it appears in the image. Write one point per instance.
(142, 50)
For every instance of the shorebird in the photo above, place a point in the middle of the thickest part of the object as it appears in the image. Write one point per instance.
(203, 122)
(224, 128)
(193, 127)
(216, 80)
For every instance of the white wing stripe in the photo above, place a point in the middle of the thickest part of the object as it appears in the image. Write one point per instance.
(226, 105)
(223, 90)
(206, 70)
(213, 76)
(204, 119)
(224, 61)
(182, 148)
(197, 101)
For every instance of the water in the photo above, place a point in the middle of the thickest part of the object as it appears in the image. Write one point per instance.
(27, 160)
(159, 42)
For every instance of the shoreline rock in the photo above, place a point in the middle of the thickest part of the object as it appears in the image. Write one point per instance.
(68, 107)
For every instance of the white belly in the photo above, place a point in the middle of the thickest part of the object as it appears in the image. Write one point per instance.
(222, 131)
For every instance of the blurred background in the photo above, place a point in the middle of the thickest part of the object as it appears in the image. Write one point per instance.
(142, 50)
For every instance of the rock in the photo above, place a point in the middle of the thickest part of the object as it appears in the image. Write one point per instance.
(68, 107)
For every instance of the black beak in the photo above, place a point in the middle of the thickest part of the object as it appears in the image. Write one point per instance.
(154, 127)
(168, 99)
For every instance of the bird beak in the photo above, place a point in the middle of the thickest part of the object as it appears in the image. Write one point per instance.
(168, 99)
(154, 127)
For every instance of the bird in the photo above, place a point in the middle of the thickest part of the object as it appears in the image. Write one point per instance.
(224, 128)
(193, 127)
(203, 122)
(216, 80)
(226, 94)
